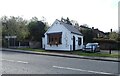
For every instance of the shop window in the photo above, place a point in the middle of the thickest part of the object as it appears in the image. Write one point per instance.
(54, 38)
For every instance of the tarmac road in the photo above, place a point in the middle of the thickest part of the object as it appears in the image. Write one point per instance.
(21, 63)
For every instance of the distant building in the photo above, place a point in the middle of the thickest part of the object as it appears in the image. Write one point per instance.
(100, 34)
(96, 32)
(62, 36)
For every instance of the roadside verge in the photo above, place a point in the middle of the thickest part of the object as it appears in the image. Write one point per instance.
(63, 55)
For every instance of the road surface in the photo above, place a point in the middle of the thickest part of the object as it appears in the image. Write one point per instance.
(21, 63)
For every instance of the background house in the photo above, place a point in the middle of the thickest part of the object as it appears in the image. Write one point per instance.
(62, 36)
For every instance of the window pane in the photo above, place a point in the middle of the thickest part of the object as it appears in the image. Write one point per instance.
(54, 38)
(60, 40)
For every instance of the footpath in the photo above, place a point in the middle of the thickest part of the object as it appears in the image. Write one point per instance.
(63, 55)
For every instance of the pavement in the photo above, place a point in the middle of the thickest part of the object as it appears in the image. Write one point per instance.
(64, 55)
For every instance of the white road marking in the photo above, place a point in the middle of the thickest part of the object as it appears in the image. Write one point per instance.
(15, 61)
(75, 69)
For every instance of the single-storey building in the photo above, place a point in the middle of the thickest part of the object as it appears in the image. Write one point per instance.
(62, 36)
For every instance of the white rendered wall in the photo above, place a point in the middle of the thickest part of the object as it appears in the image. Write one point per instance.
(65, 38)
(77, 47)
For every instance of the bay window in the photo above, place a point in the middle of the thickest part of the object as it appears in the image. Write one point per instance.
(54, 38)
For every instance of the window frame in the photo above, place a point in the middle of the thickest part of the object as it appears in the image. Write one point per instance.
(54, 38)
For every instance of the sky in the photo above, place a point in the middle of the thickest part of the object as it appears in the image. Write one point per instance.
(101, 14)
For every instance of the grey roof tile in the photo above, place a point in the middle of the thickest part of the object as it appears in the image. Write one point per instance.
(70, 28)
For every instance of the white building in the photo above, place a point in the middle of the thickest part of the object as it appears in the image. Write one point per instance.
(62, 36)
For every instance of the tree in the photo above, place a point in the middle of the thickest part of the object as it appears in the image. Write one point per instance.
(88, 35)
(113, 36)
(75, 24)
(34, 19)
(67, 21)
(14, 26)
(37, 30)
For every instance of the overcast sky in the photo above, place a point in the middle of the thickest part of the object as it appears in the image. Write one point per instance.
(101, 14)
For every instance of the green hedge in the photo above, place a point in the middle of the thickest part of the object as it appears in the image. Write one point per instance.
(107, 44)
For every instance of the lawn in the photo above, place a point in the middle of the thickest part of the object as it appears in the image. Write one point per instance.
(99, 54)
(30, 49)
(96, 54)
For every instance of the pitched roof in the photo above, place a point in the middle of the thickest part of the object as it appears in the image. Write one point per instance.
(70, 28)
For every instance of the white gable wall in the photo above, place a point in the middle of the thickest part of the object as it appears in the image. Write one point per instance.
(65, 37)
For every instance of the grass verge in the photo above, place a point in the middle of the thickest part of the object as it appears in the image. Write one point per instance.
(96, 54)
(99, 54)
(30, 49)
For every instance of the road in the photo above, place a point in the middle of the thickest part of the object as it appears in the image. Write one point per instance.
(21, 63)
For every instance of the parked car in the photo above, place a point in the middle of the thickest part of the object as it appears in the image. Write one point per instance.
(92, 47)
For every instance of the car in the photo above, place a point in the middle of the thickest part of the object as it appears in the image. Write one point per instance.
(92, 47)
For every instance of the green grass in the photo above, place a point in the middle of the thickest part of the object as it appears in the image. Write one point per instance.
(96, 54)
(76, 53)
(30, 49)
(99, 54)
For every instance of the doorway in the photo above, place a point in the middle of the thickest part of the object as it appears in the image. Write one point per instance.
(73, 43)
